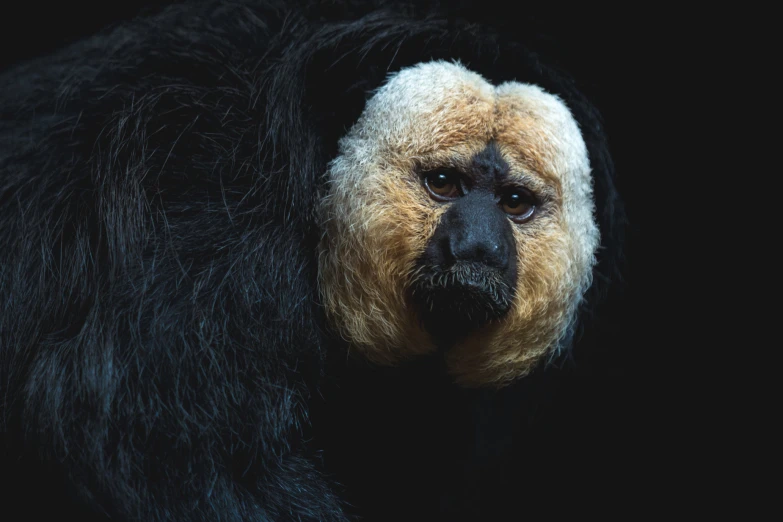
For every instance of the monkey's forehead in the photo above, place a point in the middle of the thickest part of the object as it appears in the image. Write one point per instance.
(440, 108)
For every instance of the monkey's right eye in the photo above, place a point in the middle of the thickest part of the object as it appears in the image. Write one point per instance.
(442, 186)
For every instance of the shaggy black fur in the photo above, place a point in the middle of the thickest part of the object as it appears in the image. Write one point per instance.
(160, 337)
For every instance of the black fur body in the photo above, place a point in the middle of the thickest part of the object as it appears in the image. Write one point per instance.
(163, 355)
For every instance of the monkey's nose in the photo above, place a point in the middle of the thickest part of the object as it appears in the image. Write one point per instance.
(477, 231)
(476, 247)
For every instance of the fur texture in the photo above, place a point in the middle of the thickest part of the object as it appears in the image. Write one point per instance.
(161, 336)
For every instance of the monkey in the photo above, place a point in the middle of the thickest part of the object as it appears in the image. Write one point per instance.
(204, 209)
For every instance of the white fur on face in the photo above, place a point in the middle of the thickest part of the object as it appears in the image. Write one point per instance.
(377, 218)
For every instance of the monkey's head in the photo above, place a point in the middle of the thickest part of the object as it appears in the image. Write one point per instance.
(459, 217)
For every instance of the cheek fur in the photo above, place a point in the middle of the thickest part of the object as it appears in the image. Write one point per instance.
(367, 259)
(510, 348)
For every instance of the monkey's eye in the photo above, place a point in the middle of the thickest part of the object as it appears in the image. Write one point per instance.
(442, 186)
(519, 204)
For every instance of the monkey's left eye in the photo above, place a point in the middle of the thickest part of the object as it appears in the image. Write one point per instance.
(519, 204)
(442, 186)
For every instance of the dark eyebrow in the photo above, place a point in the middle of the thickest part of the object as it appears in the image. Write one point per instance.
(489, 165)
(489, 168)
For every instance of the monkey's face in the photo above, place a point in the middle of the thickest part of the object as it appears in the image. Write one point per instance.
(459, 217)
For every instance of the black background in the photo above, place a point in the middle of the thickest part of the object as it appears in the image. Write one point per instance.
(614, 405)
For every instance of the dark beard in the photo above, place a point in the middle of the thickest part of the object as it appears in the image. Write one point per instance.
(454, 300)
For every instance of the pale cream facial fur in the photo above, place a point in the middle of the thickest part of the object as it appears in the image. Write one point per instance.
(377, 217)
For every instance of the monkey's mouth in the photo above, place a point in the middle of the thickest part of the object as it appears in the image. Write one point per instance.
(456, 299)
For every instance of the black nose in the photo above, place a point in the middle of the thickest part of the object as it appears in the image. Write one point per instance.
(467, 273)
(477, 231)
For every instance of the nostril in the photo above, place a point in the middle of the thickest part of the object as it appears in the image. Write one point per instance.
(477, 249)
(498, 257)
(447, 248)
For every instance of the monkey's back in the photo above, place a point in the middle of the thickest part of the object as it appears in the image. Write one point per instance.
(157, 281)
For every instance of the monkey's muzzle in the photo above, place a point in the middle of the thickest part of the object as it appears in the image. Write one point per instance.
(456, 299)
